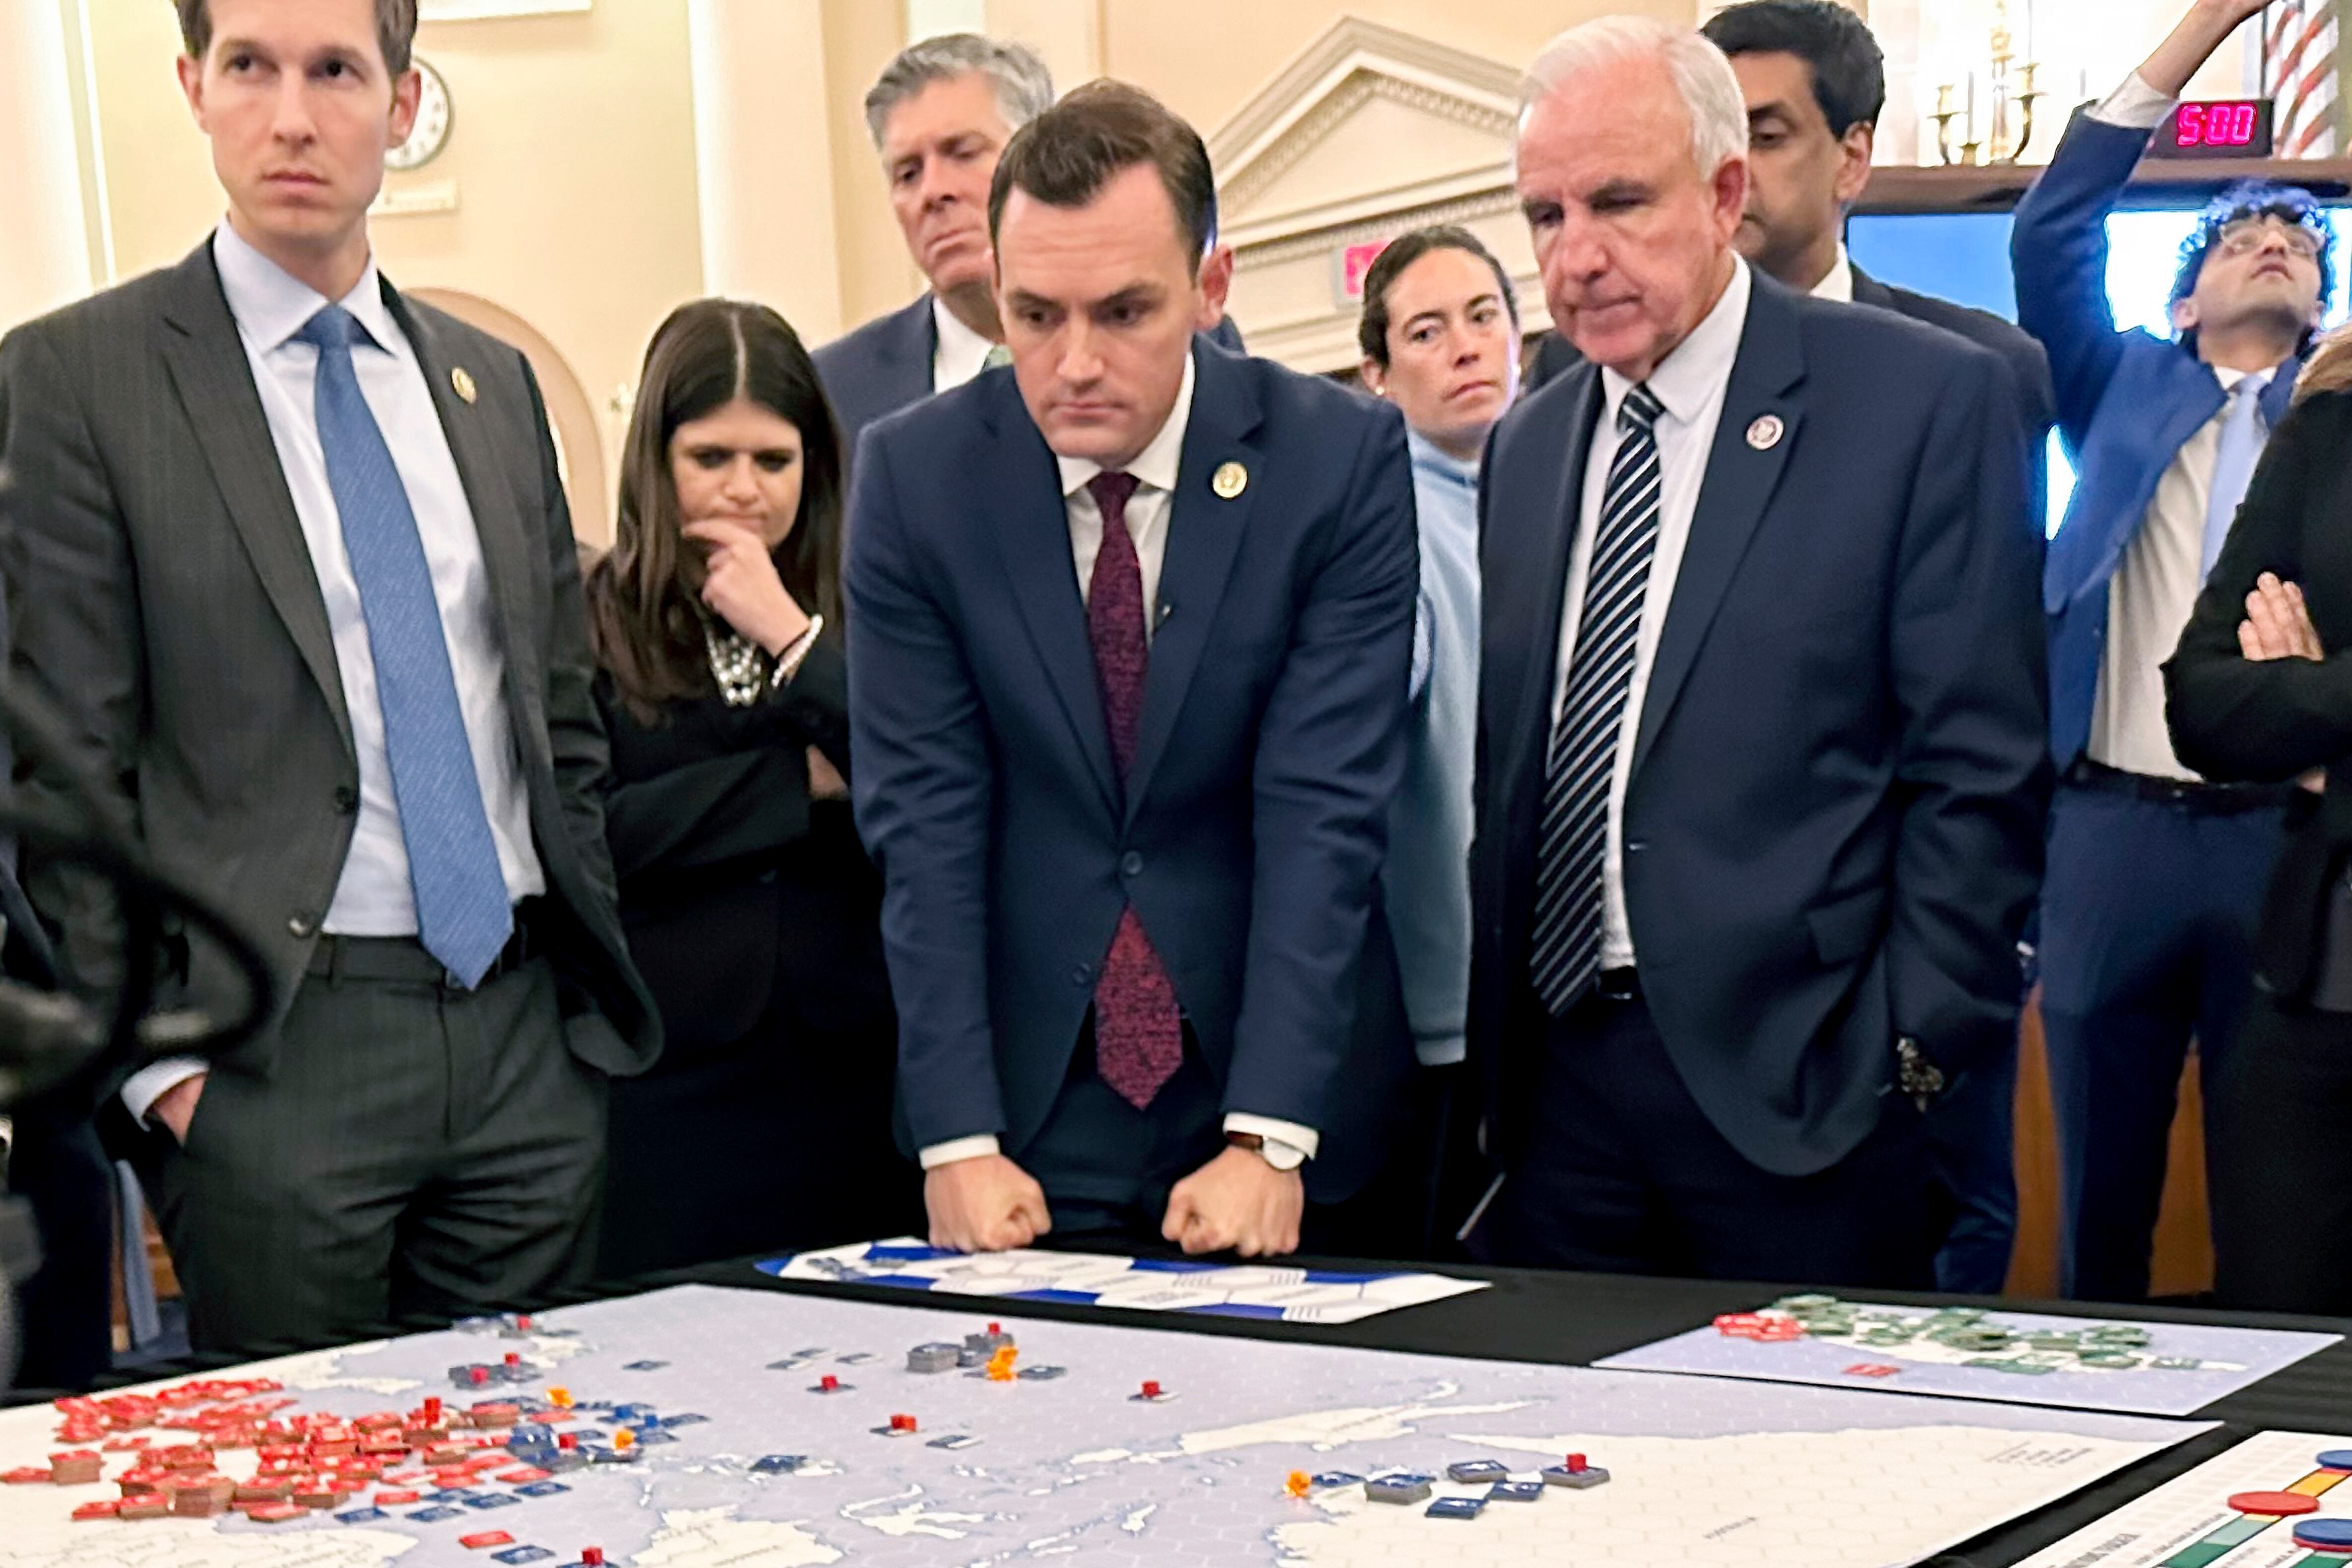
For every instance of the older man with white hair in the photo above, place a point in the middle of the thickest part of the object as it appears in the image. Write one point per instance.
(1762, 779)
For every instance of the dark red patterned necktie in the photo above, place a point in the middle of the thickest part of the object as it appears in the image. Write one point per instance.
(1139, 1039)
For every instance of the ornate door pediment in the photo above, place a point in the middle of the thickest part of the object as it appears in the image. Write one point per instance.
(1369, 133)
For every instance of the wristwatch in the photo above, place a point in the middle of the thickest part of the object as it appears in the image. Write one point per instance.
(1282, 1156)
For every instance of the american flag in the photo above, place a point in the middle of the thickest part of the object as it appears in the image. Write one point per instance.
(2299, 58)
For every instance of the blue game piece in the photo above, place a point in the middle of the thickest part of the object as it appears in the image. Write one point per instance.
(2324, 1534)
(449, 1494)
(650, 1434)
(429, 1515)
(2337, 1460)
(1516, 1491)
(493, 1500)
(689, 1418)
(778, 1464)
(1477, 1471)
(1337, 1478)
(522, 1554)
(1457, 1507)
(363, 1516)
(642, 1365)
(541, 1489)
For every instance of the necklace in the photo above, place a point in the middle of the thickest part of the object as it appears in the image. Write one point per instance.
(735, 665)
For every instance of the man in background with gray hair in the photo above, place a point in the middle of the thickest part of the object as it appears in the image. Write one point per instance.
(940, 114)
(1762, 774)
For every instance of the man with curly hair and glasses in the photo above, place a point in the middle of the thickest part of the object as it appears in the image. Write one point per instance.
(2155, 874)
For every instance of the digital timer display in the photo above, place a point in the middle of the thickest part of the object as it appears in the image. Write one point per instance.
(2226, 128)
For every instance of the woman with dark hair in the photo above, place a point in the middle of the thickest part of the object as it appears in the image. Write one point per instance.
(750, 909)
(2261, 691)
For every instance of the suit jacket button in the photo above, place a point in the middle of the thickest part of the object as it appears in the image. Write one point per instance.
(1081, 974)
(1130, 864)
(302, 924)
(347, 799)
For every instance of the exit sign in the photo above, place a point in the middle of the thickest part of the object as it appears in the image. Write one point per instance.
(1350, 262)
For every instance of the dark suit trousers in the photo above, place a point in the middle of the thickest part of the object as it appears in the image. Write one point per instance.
(1623, 1173)
(1106, 1167)
(415, 1149)
(2282, 1162)
(2148, 911)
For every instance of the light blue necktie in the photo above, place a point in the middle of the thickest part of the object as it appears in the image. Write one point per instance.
(2242, 436)
(463, 917)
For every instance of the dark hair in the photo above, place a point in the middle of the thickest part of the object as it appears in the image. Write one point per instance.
(2290, 205)
(1066, 156)
(1848, 70)
(644, 617)
(395, 30)
(1372, 331)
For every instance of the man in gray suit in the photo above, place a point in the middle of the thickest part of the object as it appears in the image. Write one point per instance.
(289, 552)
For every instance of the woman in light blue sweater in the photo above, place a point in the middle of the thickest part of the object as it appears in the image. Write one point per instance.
(1440, 340)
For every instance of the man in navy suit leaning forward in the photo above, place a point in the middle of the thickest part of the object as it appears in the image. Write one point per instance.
(1130, 624)
(1761, 778)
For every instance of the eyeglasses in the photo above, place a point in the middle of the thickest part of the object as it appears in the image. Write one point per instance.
(2240, 237)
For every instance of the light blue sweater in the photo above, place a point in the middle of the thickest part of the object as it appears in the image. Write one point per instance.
(1429, 835)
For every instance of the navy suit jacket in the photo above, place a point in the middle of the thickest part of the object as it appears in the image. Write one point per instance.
(2126, 400)
(1833, 828)
(885, 364)
(1251, 833)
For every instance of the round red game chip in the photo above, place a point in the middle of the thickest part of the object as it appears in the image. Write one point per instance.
(2284, 1505)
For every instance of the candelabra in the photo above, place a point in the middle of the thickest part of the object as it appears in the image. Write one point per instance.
(2006, 129)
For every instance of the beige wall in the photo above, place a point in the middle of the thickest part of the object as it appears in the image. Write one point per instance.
(860, 37)
(571, 156)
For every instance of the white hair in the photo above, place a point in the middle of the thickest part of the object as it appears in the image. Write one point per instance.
(1701, 73)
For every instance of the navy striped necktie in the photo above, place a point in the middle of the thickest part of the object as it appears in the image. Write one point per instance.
(1573, 846)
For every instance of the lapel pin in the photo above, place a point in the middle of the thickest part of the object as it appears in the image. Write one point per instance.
(463, 381)
(1766, 433)
(1230, 481)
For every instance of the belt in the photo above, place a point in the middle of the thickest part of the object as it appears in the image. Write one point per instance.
(2193, 795)
(1617, 984)
(403, 959)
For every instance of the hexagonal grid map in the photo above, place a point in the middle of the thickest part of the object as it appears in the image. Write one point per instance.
(1075, 1467)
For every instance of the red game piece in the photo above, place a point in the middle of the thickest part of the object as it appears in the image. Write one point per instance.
(104, 1507)
(274, 1512)
(902, 1423)
(397, 1497)
(567, 1440)
(1872, 1369)
(828, 1384)
(2281, 1505)
(523, 1477)
(26, 1476)
(1576, 1465)
(143, 1505)
(592, 1557)
(1151, 1389)
(482, 1538)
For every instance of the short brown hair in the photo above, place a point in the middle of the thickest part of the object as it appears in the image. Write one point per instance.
(1372, 331)
(395, 30)
(1066, 156)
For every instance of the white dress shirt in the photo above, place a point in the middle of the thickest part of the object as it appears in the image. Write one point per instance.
(373, 896)
(1690, 383)
(2156, 585)
(1148, 511)
(1837, 284)
(961, 354)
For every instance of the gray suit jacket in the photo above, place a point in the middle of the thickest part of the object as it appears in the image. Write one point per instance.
(165, 602)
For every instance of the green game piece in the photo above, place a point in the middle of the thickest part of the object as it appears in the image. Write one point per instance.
(2025, 1369)
(2177, 1363)
(1805, 1304)
(2118, 1361)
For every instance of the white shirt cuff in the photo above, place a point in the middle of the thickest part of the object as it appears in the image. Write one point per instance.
(2135, 106)
(1303, 1139)
(142, 1089)
(979, 1146)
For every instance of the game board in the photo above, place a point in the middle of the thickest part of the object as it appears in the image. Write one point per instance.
(1088, 1279)
(1147, 1447)
(2081, 1363)
(2243, 1509)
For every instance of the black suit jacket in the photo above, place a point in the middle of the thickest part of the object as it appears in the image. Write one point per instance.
(2234, 718)
(1833, 828)
(885, 364)
(165, 603)
(741, 893)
